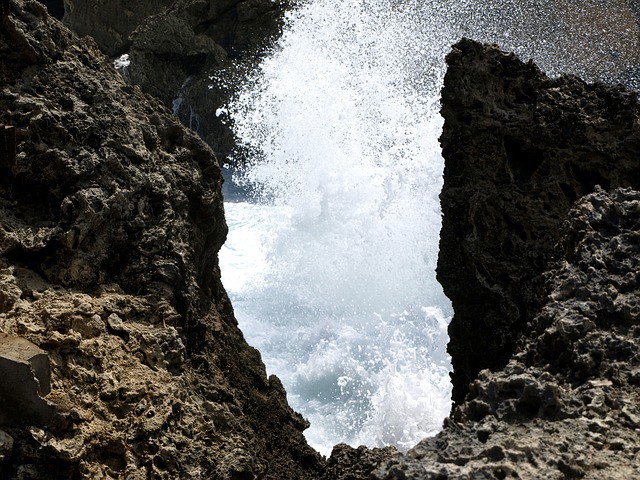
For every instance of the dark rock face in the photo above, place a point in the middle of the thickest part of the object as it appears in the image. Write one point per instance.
(549, 261)
(196, 75)
(109, 22)
(565, 406)
(54, 7)
(519, 149)
(189, 55)
(111, 218)
(26, 378)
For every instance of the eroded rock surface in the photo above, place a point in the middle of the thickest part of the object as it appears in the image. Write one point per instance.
(542, 265)
(566, 405)
(188, 54)
(519, 149)
(111, 218)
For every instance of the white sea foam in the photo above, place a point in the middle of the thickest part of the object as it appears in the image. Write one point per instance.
(363, 370)
(330, 263)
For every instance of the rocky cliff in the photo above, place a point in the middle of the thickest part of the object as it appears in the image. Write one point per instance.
(111, 218)
(187, 54)
(109, 22)
(539, 255)
(520, 148)
(566, 405)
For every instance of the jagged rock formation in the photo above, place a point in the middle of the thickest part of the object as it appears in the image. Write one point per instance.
(541, 264)
(519, 149)
(188, 54)
(219, 40)
(110, 222)
(566, 406)
(348, 463)
(111, 218)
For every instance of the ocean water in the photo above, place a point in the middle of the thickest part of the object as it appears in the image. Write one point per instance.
(335, 219)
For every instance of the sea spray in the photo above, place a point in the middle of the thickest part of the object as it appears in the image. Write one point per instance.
(342, 300)
(331, 255)
(363, 370)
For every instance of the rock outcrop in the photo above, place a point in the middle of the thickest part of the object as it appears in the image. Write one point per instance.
(566, 405)
(188, 54)
(520, 148)
(539, 254)
(111, 218)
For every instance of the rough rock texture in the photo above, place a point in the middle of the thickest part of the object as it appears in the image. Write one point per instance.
(188, 54)
(519, 149)
(348, 463)
(567, 405)
(111, 218)
(542, 265)
(109, 22)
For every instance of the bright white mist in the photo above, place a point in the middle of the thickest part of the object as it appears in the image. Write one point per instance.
(331, 253)
(331, 265)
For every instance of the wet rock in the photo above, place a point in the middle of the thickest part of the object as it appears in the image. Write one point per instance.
(562, 401)
(195, 68)
(109, 22)
(190, 53)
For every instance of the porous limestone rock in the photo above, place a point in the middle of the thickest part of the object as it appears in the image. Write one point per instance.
(110, 223)
(566, 405)
(519, 149)
(540, 255)
(111, 219)
(349, 463)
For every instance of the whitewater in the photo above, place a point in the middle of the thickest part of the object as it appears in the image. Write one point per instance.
(335, 218)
